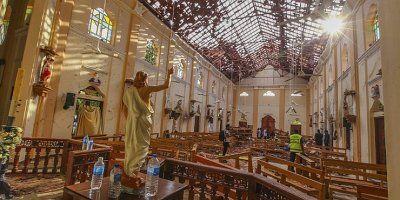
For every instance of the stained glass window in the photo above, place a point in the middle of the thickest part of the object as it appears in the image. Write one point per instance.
(213, 87)
(200, 79)
(180, 70)
(151, 52)
(100, 25)
(376, 27)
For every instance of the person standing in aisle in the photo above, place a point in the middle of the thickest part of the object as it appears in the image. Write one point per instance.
(327, 139)
(318, 138)
(296, 145)
(226, 140)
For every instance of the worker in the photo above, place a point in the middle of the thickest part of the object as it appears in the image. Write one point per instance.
(296, 145)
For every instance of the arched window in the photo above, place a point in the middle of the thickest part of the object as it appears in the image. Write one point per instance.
(180, 69)
(375, 27)
(100, 25)
(372, 28)
(151, 52)
(269, 94)
(200, 79)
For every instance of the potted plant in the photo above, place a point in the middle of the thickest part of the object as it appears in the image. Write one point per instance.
(10, 137)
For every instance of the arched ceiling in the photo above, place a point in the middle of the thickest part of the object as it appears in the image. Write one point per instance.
(242, 37)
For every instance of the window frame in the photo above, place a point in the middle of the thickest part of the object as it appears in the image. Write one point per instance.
(376, 27)
(100, 21)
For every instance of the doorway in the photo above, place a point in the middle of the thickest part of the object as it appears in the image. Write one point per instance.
(197, 123)
(268, 123)
(380, 140)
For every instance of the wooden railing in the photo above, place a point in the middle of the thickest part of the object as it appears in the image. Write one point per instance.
(116, 137)
(39, 155)
(57, 156)
(80, 163)
(207, 182)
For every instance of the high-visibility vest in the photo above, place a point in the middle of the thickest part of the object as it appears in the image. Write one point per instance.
(295, 143)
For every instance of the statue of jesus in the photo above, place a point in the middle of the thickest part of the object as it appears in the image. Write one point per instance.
(138, 124)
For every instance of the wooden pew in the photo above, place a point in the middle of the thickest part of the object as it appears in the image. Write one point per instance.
(237, 157)
(334, 149)
(371, 193)
(280, 153)
(346, 176)
(307, 179)
(207, 182)
(304, 160)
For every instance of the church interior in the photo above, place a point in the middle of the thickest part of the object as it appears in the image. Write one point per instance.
(234, 99)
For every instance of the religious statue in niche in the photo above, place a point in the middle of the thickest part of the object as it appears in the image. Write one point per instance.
(138, 127)
(198, 110)
(177, 111)
(95, 80)
(46, 68)
(377, 106)
(220, 114)
(41, 88)
(47, 64)
(375, 93)
(243, 117)
(192, 111)
(210, 114)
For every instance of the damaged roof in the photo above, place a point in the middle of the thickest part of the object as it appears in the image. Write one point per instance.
(242, 37)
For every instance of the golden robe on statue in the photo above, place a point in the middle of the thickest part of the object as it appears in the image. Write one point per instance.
(138, 129)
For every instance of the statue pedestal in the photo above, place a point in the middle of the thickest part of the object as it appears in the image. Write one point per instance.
(132, 185)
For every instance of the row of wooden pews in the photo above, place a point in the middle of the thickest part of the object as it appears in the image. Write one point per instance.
(193, 146)
(321, 172)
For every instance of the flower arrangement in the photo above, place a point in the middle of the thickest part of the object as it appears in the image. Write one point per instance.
(9, 138)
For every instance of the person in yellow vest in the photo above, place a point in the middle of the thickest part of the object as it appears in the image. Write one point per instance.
(296, 145)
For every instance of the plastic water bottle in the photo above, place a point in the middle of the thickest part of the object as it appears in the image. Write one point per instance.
(115, 182)
(153, 171)
(85, 142)
(97, 177)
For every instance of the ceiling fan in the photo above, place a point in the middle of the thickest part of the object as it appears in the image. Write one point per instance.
(318, 12)
(297, 92)
(291, 110)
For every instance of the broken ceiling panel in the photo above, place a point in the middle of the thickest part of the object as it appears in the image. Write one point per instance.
(242, 37)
